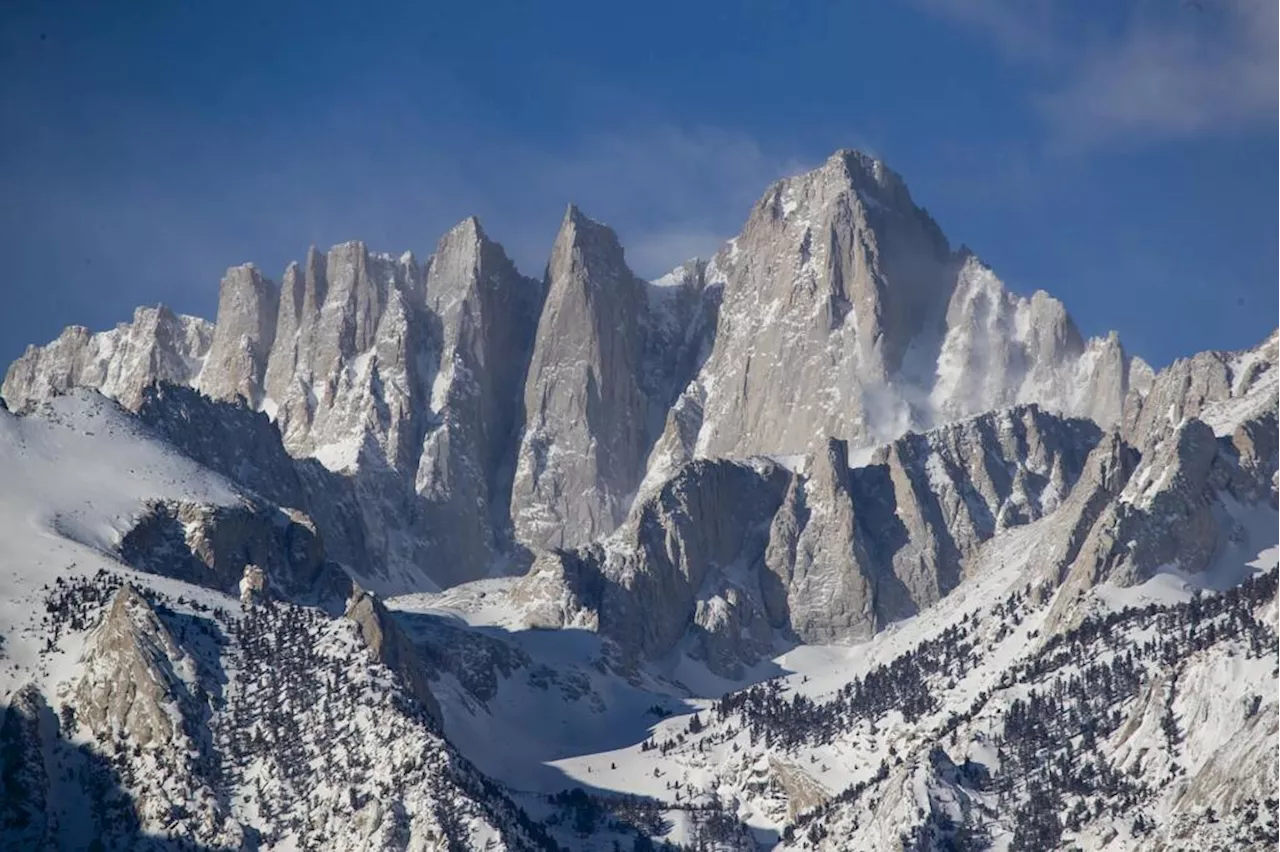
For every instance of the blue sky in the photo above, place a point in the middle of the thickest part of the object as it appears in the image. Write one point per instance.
(1122, 156)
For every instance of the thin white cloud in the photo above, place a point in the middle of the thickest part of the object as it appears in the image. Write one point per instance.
(1157, 70)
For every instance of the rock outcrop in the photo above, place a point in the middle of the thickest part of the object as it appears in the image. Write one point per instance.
(488, 314)
(389, 644)
(140, 690)
(817, 559)
(213, 546)
(584, 444)
(242, 336)
(730, 554)
(158, 345)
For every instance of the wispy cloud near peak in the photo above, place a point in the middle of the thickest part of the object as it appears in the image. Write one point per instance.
(1152, 70)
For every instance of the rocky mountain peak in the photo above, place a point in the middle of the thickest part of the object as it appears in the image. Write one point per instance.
(242, 337)
(491, 413)
(828, 470)
(487, 314)
(158, 345)
(868, 174)
(583, 395)
(587, 250)
(464, 259)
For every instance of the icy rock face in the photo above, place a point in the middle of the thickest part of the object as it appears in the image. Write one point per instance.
(1254, 446)
(342, 359)
(488, 313)
(854, 550)
(245, 446)
(1178, 392)
(350, 365)
(1169, 514)
(1181, 503)
(1002, 349)
(1221, 388)
(835, 281)
(158, 345)
(1106, 472)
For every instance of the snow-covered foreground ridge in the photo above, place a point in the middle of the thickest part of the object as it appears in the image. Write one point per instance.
(828, 543)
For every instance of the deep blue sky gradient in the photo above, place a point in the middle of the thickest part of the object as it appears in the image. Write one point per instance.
(146, 146)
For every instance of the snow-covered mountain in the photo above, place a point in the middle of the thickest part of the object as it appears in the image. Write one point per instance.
(522, 415)
(830, 542)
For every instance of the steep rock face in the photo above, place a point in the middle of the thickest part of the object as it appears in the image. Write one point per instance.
(1220, 388)
(1254, 446)
(816, 554)
(835, 281)
(1183, 504)
(1105, 474)
(844, 307)
(854, 550)
(242, 336)
(1178, 392)
(158, 345)
(351, 360)
(682, 558)
(584, 444)
(1202, 487)
(488, 313)
(686, 552)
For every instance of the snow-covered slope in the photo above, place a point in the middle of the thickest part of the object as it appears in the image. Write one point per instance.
(919, 732)
(140, 710)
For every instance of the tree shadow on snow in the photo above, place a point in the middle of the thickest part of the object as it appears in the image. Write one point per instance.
(57, 794)
(517, 702)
